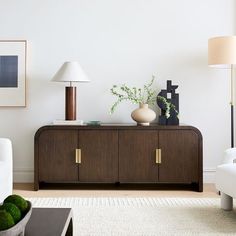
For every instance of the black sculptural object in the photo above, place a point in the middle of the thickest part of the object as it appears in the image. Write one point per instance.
(168, 101)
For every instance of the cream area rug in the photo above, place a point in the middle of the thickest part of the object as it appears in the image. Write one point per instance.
(145, 216)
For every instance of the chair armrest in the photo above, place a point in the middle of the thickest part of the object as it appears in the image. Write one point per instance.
(4, 168)
(5, 150)
(2, 165)
(229, 156)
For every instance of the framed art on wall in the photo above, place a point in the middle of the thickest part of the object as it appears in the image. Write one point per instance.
(13, 73)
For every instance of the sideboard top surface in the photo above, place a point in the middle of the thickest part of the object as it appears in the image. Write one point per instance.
(122, 126)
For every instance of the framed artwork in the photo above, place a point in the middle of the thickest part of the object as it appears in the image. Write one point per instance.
(13, 73)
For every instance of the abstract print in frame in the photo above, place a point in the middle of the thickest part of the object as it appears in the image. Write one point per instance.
(13, 73)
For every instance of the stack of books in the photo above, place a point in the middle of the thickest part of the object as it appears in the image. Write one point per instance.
(68, 122)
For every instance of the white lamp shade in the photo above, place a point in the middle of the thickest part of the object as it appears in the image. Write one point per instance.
(222, 51)
(70, 72)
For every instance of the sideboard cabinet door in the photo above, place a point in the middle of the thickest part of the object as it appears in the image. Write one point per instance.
(179, 154)
(99, 156)
(57, 155)
(137, 156)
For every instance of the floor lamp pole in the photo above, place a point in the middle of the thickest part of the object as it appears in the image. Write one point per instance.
(232, 106)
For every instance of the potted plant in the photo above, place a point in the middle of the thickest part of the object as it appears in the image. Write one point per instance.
(143, 96)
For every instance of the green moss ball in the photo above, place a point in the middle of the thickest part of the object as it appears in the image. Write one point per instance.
(13, 210)
(6, 220)
(19, 201)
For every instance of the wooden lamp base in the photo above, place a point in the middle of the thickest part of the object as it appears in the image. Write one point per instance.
(70, 103)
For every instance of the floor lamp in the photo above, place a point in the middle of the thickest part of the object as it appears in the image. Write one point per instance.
(70, 72)
(222, 54)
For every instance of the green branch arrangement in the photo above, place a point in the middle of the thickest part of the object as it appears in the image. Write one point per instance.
(168, 105)
(145, 95)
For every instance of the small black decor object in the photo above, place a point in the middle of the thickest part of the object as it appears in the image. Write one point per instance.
(168, 101)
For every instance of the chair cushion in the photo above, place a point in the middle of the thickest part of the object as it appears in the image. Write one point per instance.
(225, 179)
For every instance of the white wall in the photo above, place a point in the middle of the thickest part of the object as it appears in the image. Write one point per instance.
(118, 41)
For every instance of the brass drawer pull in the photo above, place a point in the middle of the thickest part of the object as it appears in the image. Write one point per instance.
(78, 156)
(158, 156)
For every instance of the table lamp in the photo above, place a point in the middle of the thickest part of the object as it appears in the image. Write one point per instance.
(70, 72)
(222, 54)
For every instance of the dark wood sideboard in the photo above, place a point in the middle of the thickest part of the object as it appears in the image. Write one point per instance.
(119, 155)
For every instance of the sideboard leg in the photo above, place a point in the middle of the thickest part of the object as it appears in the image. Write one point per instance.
(197, 187)
(200, 187)
(36, 186)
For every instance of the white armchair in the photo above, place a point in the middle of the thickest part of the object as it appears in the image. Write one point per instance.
(225, 179)
(6, 183)
(229, 156)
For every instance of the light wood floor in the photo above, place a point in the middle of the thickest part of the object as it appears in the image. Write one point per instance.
(26, 190)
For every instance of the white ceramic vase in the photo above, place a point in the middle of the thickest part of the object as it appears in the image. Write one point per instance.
(143, 115)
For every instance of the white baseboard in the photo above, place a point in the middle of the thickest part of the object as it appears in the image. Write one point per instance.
(23, 175)
(209, 175)
(26, 175)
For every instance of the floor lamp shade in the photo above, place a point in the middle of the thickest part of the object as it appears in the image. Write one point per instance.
(222, 54)
(70, 72)
(222, 51)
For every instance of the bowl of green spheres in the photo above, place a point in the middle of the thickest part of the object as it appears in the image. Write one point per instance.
(15, 212)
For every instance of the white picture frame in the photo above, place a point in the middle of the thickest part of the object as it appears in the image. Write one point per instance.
(13, 73)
